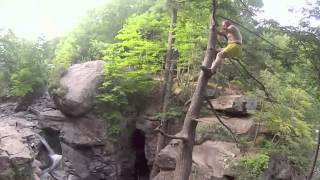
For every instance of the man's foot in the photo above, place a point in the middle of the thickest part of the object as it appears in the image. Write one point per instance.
(207, 71)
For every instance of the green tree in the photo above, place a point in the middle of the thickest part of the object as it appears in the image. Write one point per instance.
(135, 58)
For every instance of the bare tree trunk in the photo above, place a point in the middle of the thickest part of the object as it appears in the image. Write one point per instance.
(315, 158)
(184, 159)
(168, 81)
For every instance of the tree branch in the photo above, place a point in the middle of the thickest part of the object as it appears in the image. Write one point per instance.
(247, 8)
(269, 97)
(219, 119)
(185, 139)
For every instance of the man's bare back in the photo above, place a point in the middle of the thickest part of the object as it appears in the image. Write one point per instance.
(233, 34)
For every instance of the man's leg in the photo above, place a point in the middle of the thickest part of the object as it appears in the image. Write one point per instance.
(217, 63)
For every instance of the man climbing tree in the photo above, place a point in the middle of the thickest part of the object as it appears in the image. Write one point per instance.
(232, 50)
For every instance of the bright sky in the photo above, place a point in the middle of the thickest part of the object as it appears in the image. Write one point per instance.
(52, 18)
(278, 10)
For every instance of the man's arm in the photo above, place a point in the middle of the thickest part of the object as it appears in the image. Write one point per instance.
(231, 29)
(222, 33)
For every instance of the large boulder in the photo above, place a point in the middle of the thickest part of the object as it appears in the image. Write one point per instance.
(78, 86)
(209, 128)
(280, 168)
(166, 160)
(235, 104)
(212, 159)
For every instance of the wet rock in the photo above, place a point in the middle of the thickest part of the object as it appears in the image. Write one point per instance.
(78, 88)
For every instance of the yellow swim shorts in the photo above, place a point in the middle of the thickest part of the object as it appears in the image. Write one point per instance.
(233, 50)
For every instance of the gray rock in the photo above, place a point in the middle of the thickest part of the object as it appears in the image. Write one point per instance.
(164, 175)
(79, 161)
(53, 115)
(209, 128)
(166, 160)
(280, 168)
(31, 117)
(239, 126)
(213, 158)
(80, 84)
(16, 152)
(21, 114)
(236, 104)
(6, 170)
(83, 131)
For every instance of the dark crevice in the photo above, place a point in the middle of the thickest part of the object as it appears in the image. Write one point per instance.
(141, 169)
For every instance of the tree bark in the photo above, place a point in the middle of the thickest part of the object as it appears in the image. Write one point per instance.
(184, 159)
(315, 158)
(168, 81)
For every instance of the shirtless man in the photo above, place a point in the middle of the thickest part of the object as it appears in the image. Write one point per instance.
(232, 50)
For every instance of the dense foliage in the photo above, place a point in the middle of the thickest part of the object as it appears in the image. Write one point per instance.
(23, 64)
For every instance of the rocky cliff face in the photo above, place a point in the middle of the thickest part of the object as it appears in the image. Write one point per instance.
(215, 150)
(88, 150)
(77, 128)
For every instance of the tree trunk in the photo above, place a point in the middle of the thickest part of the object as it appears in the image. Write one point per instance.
(315, 158)
(168, 81)
(184, 159)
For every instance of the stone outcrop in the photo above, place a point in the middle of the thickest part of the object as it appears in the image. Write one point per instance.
(77, 90)
(211, 160)
(209, 128)
(280, 168)
(82, 131)
(88, 150)
(166, 160)
(215, 149)
(16, 153)
(235, 104)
